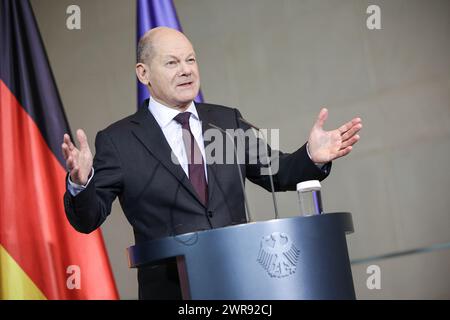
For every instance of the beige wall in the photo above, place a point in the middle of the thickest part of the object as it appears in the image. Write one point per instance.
(279, 62)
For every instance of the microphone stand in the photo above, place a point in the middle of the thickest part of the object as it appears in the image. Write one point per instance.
(269, 162)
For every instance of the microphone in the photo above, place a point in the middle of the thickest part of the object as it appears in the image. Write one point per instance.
(269, 162)
(247, 209)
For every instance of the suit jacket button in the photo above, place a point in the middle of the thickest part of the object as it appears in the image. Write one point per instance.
(210, 213)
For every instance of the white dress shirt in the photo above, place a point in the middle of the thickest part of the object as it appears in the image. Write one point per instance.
(173, 131)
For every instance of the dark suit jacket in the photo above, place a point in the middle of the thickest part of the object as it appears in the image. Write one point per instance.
(133, 163)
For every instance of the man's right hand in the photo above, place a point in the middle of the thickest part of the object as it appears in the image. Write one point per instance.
(78, 161)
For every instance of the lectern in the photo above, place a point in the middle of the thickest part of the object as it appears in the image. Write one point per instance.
(289, 258)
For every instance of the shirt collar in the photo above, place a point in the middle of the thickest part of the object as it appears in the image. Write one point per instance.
(164, 114)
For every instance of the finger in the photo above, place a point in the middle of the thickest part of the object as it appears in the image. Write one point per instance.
(70, 145)
(351, 132)
(344, 152)
(82, 139)
(66, 138)
(350, 142)
(65, 150)
(68, 141)
(323, 115)
(345, 127)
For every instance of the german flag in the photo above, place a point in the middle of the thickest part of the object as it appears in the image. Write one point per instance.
(41, 255)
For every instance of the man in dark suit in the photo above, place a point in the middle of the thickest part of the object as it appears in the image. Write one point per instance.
(155, 161)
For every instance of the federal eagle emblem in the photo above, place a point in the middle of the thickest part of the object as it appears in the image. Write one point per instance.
(278, 255)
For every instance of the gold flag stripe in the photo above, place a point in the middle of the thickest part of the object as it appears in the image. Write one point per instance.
(14, 282)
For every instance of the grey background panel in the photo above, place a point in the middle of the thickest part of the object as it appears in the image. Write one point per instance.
(279, 62)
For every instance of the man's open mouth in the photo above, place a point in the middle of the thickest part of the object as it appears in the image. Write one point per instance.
(186, 84)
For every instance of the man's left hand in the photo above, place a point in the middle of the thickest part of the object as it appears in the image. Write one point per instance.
(325, 146)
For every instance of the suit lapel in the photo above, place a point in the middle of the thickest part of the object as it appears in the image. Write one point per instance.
(148, 132)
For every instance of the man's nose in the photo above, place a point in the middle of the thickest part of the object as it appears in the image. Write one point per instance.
(185, 69)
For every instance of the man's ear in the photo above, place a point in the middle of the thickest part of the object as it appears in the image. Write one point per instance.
(142, 73)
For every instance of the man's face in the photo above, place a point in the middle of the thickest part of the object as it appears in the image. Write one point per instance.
(173, 73)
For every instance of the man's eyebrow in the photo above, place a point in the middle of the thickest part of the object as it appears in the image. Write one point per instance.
(169, 56)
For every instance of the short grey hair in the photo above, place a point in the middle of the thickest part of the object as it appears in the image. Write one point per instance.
(145, 50)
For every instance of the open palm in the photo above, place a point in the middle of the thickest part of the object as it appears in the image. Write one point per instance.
(325, 146)
(78, 161)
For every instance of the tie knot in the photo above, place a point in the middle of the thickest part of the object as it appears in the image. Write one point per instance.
(182, 118)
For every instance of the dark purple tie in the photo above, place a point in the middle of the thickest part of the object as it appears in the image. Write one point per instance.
(195, 159)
